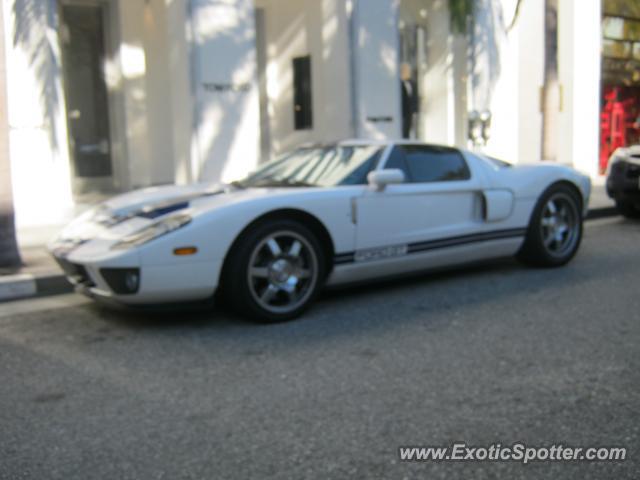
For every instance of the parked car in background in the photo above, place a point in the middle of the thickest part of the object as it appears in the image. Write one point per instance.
(323, 215)
(623, 180)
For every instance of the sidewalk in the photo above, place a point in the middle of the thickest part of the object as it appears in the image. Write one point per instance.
(41, 275)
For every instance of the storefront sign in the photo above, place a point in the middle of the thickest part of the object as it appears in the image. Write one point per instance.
(226, 87)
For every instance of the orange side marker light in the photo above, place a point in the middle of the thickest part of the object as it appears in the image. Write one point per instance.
(185, 251)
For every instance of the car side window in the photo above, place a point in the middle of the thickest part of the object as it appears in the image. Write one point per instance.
(431, 164)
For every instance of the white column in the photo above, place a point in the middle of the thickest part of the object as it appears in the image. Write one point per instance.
(442, 87)
(530, 31)
(377, 81)
(160, 94)
(334, 107)
(579, 69)
(37, 120)
(496, 76)
(182, 102)
(226, 89)
(133, 67)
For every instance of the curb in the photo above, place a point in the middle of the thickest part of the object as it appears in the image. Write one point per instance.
(26, 285)
(603, 212)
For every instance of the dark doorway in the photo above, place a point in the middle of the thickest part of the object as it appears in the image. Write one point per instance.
(84, 53)
(302, 102)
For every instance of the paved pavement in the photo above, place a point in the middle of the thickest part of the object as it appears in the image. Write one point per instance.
(498, 353)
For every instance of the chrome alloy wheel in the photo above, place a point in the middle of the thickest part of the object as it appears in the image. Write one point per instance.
(560, 224)
(282, 272)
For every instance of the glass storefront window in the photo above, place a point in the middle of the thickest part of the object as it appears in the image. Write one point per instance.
(616, 49)
(618, 28)
(620, 76)
(632, 30)
(613, 28)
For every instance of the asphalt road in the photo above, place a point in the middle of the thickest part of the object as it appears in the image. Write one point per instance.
(496, 353)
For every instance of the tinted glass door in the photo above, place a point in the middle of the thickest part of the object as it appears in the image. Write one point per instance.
(87, 102)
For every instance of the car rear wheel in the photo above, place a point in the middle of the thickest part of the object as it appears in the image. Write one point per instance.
(555, 229)
(274, 272)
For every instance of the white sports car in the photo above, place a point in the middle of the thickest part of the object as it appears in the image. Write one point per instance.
(322, 215)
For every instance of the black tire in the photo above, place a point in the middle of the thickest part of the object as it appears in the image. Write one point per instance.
(536, 249)
(627, 209)
(246, 294)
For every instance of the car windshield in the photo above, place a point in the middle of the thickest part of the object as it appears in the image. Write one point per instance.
(316, 167)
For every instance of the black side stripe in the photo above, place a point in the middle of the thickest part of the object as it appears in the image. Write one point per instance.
(344, 258)
(419, 247)
(465, 239)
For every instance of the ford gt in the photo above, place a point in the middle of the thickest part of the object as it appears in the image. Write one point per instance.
(322, 215)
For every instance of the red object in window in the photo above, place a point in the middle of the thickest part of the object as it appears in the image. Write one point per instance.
(617, 121)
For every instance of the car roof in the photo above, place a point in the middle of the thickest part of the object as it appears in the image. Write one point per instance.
(372, 142)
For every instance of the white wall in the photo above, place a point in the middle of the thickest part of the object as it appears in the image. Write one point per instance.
(579, 71)
(508, 77)
(515, 101)
(151, 100)
(148, 79)
(496, 76)
(377, 82)
(319, 29)
(443, 85)
(530, 32)
(159, 93)
(37, 127)
(226, 91)
(180, 84)
(132, 65)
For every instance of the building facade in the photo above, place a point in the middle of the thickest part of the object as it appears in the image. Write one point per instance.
(111, 95)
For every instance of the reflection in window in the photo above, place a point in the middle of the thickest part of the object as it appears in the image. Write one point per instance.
(422, 164)
(317, 166)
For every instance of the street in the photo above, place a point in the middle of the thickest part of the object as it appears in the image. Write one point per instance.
(492, 353)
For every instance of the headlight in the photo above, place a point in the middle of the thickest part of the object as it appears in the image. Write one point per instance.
(154, 230)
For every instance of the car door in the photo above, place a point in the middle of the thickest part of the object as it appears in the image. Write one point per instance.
(441, 199)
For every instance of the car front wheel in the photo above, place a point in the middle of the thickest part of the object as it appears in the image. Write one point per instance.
(555, 229)
(275, 271)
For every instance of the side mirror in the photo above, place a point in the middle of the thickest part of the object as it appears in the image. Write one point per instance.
(379, 179)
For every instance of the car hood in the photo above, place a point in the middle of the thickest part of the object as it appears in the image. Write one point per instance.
(127, 213)
(155, 201)
(130, 212)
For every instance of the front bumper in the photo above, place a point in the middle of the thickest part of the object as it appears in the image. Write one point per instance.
(623, 182)
(155, 284)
